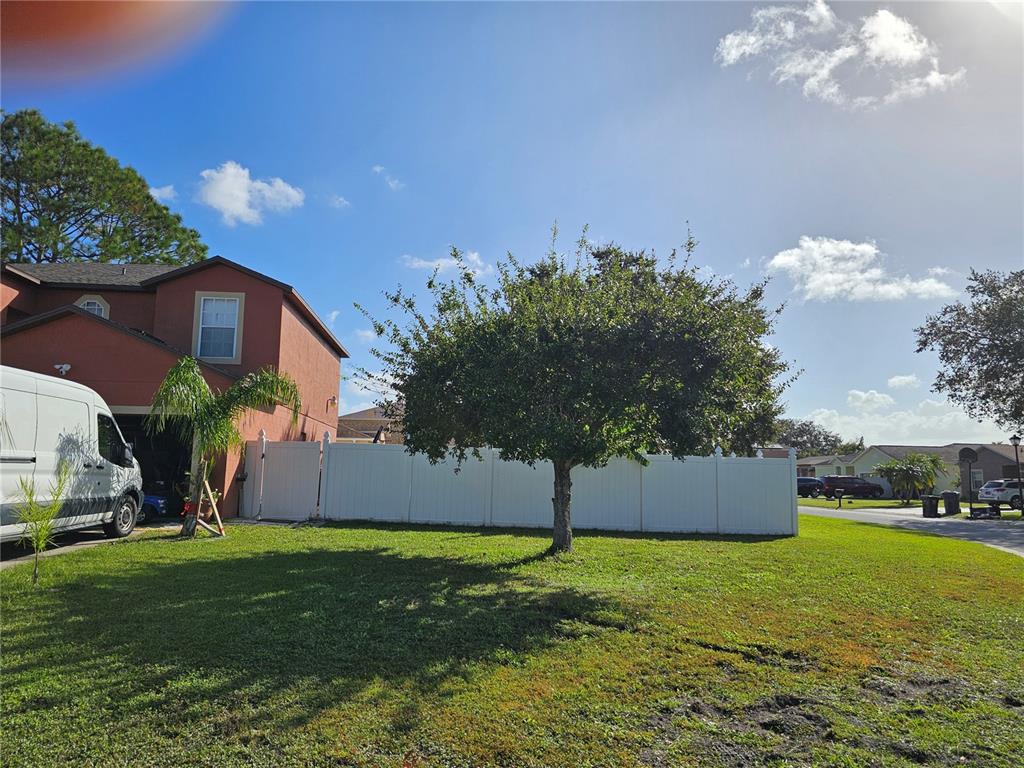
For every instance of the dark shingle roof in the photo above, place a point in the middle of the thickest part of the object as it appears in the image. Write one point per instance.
(91, 273)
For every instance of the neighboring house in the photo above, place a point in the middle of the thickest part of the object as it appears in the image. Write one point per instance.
(995, 461)
(819, 466)
(120, 328)
(367, 426)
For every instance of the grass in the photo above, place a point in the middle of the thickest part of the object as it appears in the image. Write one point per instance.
(382, 646)
(849, 503)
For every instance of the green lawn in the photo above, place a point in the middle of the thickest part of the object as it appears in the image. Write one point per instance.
(849, 503)
(849, 645)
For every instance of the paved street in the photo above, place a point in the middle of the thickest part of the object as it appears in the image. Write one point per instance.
(1007, 535)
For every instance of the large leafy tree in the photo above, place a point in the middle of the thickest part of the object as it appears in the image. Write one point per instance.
(185, 403)
(981, 348)
(579, 360)
(67, 200)
(914, 473)
(808, 438)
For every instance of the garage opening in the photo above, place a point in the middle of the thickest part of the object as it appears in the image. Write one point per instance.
(164, 459)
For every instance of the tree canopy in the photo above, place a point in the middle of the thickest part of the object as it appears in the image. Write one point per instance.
(914, 473)
(578, 360)
(808, 438)
(981, 348)
(65, 199)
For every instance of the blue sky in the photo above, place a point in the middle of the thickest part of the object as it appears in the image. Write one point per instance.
(864, 155)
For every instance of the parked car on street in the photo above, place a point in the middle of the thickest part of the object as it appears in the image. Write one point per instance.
(48, 422)
(809, 487)
(996, 492)
(852, 486)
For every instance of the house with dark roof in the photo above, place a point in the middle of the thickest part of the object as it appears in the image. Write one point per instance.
(369, 425)
(995, 461)
(118, 328)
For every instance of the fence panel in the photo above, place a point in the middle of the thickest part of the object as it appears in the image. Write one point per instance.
(713, 494)
(366, 482)
(521, 494)
(607, 498)
(442, 495)
(680, 496)
(752, 496)
(291, 480)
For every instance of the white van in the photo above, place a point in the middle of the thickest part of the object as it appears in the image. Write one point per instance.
(45, 421)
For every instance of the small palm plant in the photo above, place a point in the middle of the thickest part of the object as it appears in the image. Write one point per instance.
(185, 403)
(914, 473)
(39, 519)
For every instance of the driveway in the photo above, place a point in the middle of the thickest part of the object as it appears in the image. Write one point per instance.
(1007, 535)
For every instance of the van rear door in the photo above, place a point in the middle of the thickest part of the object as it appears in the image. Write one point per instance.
(17, 442)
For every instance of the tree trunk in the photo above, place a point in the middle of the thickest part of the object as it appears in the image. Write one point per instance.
(562, 539)
(35, 569)
(189, 525)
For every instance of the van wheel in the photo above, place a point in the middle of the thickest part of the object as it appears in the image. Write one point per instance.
(124, 519)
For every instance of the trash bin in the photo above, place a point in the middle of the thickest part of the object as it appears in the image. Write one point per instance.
(951, 502)
(930, 505)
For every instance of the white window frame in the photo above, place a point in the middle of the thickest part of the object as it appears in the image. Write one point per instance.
(977, 479)
(94, 297)
(236, 359)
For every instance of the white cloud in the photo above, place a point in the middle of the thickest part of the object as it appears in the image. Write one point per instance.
(870, 401)
(163, 194)
(908, 381)
(390, 180)
(885, 59)
(365, 334)
(337, 201)
(823, 269)
(332, 316)
(230, 190)
(745, 263)
(890, 39)
(471, 258)
(775, 27)
(929, 422)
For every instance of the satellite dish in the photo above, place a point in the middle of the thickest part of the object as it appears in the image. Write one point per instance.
(968, 455)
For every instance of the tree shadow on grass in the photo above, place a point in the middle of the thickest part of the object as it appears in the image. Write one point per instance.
(544, 534)
(278, 637)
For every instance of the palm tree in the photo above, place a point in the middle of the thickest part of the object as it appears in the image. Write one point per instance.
(185, 403)
(915, 472)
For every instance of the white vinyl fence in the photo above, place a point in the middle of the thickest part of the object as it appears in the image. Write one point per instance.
(360, 481)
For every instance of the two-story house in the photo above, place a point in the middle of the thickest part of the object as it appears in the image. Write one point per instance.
(119, 328)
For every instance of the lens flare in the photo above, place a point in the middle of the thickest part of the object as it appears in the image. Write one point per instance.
(64, 41)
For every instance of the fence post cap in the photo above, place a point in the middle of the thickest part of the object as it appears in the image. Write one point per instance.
(792, 453)
(718, 451)
(327, 436)
(263, 434)
(759, 454)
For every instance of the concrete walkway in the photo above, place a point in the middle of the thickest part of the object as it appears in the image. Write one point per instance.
(1007, 535)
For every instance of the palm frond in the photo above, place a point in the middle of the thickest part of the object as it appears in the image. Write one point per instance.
(263, 388)
(181, 399)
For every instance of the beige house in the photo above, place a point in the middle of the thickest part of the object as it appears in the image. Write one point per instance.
(995, 461)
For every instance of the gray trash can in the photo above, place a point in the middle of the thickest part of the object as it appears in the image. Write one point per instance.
(930, 505)
(951, 502)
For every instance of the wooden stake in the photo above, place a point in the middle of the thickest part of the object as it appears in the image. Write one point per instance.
(213, 505)
(208, 527)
